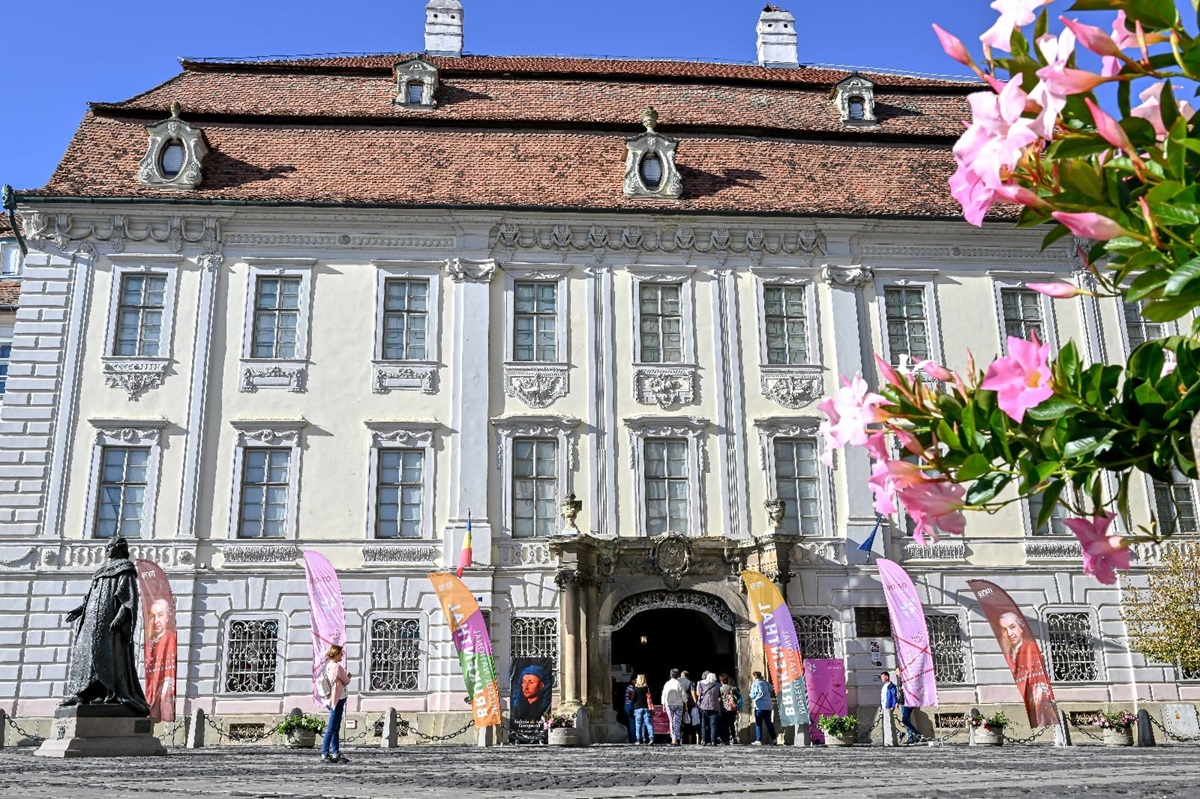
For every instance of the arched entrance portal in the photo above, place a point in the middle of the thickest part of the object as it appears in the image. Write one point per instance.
(663, 630)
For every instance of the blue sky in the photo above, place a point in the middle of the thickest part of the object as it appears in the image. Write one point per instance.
(111, 50)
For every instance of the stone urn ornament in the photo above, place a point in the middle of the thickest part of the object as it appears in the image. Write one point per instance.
(569, 510)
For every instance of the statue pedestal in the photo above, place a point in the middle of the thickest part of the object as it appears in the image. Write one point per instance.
(100, 731)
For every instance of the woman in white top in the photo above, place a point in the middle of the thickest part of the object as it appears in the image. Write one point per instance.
(338, 678)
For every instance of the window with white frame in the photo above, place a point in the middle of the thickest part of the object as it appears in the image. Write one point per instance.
(267, 474)
(252, 656)
(816, 635)
(668, 456)
(1022, 310)
(10, 259)
(946, 645)
(5, 357)
(785, 321)
(534, 637)
(908, 324)
(1137, 329)
(661, 322)
(798, 484)
(395, 656)
(140, 315)
(406, 327)
(1055, 525)
(534, 487)
(405, 319)
(276, 317)
(401, 490)
(1072, 647)
(276, 327)
(667, 485)
(120, 506)
(1175, 504)
(535, 321)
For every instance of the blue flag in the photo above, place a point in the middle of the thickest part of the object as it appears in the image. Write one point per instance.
(869, 544)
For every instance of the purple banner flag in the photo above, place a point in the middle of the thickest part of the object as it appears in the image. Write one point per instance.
(327, 612)
(914, 656)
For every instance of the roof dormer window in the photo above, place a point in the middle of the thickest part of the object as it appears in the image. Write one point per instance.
(174, 154)
(854, 99)
(650, 163)
(416, 83)
(416, 92)
(856, 109)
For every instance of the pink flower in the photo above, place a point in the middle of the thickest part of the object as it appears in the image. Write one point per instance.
(1109, 128)
(849, 411)
(1092, 37)
(876, 445)
(1022, 378)
(1057, 51)
(1102, 553)
(1012, 14)
(1124, 39)
(934, 370)
(934, 505)
(1151, 109)
(1059, 291)
(887, 478)
(990, 149)
(1018, 195)
(953, 46)
(1090, 225)
(888, 373)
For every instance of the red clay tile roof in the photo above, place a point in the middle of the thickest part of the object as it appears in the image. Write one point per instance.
(10, 292)
(533, 133)
(5, 229)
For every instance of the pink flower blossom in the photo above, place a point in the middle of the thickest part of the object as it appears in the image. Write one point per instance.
(888, 373)
(1059, 291)
(1151, 109)
(990, 149)
(1022, 378)
(1012, 14)
(1102, 553)
(935, 370)
(1124, 39)
(1169, 363)
(953, 46)
(1092, 37)
(1018, 195)
(934, 505)
(1109, 128)
(887, 478)
(1057, 51)
(1089, 225)
(876, 445)
(849, 411)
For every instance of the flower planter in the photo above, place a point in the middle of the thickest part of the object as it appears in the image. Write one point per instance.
(301, 739)
(563, 736)
(839, 740)
(1119, 737)
(989, 736)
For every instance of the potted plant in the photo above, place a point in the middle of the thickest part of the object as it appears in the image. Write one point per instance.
(1117, 726)
(990, 730)
(301, 730)
(560, 728)
(839, 730)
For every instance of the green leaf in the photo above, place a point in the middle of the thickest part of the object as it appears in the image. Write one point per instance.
(1170, 108)
(1058, 232)
(987, 487)
(1085, 445)
(1169, 310)
(1183, 275)
(1177, 150)
(1053, 408)
(1175, 214)
(1147, 284)
(973, 468)
(1078, 146)
(1049, 500)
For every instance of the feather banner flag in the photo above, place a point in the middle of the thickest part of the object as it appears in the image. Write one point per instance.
(464, 556)
(327, 611)
(474, 646)
(914, 656)
(161, 644)
(769, 611)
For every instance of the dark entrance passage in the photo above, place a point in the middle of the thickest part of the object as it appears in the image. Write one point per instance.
(655, 641)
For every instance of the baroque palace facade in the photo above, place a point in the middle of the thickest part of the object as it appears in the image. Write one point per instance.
(345, 303)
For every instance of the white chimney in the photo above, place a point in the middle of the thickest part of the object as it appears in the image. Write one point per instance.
(777, 39)
(444, 28)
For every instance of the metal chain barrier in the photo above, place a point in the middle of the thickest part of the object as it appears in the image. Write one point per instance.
(368, 730)
(405, 727)
(1030, 739)
(224, 736)
(941, 739)
(865, 737)
(1083, 729)
(170, 734)
(37, 739)
(1183, 739)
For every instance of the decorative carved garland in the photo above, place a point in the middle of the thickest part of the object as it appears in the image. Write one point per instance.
(707, 604)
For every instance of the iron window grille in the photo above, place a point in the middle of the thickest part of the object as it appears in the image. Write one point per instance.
(1072, 648)
(815, 632)
(140, 315)
(1022, 313)
(252, 652)
(265, 481)
(276, 317)
(400, 493)
(535, 321)
(122, 489)
(946, 644)
(661, 321)
(534, 637)
(405, 319)
(786, 312)
(798, 484)
(907, 324)
(666, 465)
(395, 654)
(534, 487)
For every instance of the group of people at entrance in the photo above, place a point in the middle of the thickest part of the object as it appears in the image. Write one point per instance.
(703, 712)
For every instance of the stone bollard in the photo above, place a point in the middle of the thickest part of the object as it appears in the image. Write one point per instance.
(390, 737)
(195, 733)
(1062, 732)
(1145, 731)
(974, 714)
(803, 736)
(3, 727)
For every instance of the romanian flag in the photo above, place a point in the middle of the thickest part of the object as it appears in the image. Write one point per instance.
(464, 557)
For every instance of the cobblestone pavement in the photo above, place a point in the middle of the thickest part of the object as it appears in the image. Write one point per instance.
(617, 772)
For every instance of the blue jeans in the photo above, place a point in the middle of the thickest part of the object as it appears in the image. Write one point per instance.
(762, 719)
(643, 727)
(914, 734)
(629, 722)
(332, 743)
(709, 725)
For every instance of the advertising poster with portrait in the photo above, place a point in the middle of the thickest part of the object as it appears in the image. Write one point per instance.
(160, 640)
(1020, 650)
(529, 698)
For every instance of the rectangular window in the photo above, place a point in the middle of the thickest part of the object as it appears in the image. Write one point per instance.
(1138, 330)
(946, 644)
(786, 321)
(1022, 313)
(401, 489)
(265, 482)
(661, 322)
(535, 321)
(10, 259)
(395, 655)
(405, 319)
(872, 622)
(815, 632)
(122, 496)
(666, 485)
(251, 656)
(276, 317)
(535, 487)
(1072, 651)
(1175, 505)
(5, 357)
(1055, 525)
(907, 324)
(140, 315)
(797, 484)
(534, 637)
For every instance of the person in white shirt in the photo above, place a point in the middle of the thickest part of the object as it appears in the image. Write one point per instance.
(673, 695)
(888, 699)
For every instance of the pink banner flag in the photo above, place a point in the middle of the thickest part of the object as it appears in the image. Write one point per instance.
(825, 680)
(327, 612)
(914, 656)
(160, 643)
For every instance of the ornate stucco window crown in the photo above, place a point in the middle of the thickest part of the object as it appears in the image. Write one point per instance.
(174, 155)
(854, 98)
(650, 163)
(416, 83)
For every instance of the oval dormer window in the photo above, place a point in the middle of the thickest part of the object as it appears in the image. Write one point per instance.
(651, 171)
(416, 93)
(856, 108)
(172, 159)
